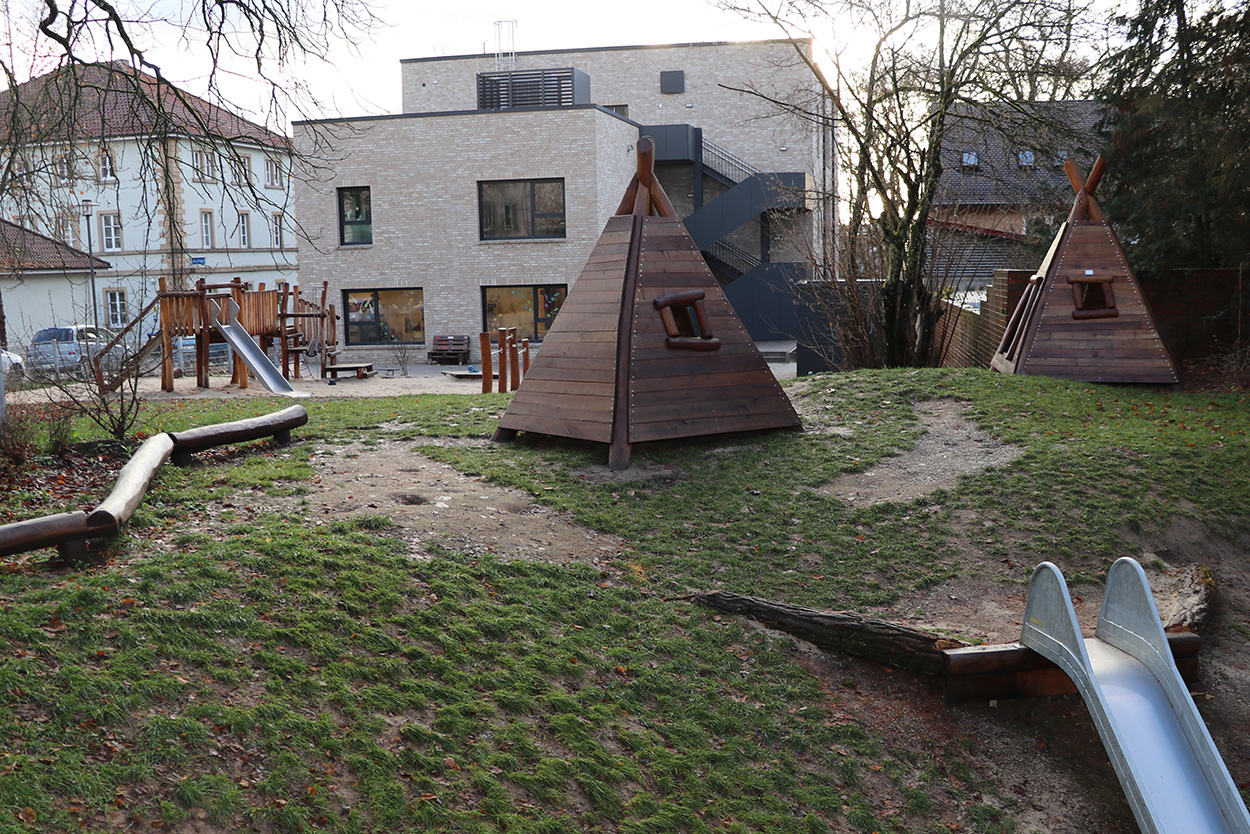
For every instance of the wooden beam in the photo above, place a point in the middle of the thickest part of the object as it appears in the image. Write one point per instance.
(1010, 670)
(277, 425)
(132, 482)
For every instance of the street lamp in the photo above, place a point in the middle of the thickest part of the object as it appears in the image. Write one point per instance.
(85, 207)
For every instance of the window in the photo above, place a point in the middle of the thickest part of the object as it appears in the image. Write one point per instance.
(104, 170)
(245, 230)
(276, 240)
(379, 317)
(1024, 159)
(66, 229)
(1093, 296)
(203, 167)
(111, 232)
(530, 309)
(206, 229)
(521, 209)
(355, 216)
(27, 221)
(968, 161)
(63, 170)
(118, 311)
(273, 173)
(241, 170)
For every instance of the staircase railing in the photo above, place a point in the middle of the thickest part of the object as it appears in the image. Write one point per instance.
(726, 164)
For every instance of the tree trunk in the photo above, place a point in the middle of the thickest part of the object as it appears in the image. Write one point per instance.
(844, 632)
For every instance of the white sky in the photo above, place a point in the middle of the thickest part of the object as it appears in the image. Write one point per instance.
(364, 78)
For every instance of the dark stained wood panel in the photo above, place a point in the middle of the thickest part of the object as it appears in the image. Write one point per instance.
(605, 371)
(1122, 348)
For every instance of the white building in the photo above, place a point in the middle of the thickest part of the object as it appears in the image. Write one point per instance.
(156, 181)
(478, 205)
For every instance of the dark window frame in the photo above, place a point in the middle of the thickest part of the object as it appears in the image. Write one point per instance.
(530, 199)
(352, 317)
(361, 223)
(534, 334)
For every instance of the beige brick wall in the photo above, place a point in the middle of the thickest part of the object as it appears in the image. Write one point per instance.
(423, 171)
(741, 123)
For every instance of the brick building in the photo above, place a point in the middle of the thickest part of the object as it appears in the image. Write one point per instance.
(478, 205)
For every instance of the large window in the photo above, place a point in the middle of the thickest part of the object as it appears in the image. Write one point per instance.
(273, 173)
(355, 216)
(118, 310)
(206, 230)
(381, 317)
(245, 230)
(277, 239)
(530, 309)
(521, 209)
(111, 232)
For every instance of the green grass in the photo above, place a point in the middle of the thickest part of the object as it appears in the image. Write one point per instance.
(247, 671)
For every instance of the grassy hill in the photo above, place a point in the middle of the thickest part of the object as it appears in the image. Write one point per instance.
(237, 662)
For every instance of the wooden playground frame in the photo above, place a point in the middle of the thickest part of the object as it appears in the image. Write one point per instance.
(300, 328)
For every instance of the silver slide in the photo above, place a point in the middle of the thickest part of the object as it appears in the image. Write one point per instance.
(1173, 776)
(255, 359)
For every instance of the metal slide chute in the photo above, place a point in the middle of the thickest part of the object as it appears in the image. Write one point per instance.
(245, 346)
(1174, 778)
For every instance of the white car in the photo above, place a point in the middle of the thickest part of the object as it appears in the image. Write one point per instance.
(13, 366)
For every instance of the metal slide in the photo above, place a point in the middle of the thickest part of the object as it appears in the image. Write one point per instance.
(255, 359)
(1173, 776)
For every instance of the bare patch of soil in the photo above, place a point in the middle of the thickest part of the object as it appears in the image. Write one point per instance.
(434, 505)
(949, 448)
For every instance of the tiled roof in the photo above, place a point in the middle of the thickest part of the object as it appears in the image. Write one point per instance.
(112, 100)
(1002, 136)
(965, 257)
(22, 250)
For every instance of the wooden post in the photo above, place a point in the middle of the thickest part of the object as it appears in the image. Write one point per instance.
(239, 371)
(167, 342)
(488, 370)
(202, 337)
(503, 359)
(514, 360)
(525, 356)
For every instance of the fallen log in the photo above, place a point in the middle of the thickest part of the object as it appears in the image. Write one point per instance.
(277, 425)
(132, 483)
(852, 634)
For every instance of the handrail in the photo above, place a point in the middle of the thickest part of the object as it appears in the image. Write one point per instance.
(726, 164)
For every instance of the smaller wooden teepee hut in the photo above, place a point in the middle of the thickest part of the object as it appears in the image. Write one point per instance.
(1082, 315)
(646, 346)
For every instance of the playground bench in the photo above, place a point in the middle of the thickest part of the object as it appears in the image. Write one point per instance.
(360, 369)
(449, 348)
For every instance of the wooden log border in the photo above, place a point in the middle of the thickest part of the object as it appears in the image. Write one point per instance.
(68, 532)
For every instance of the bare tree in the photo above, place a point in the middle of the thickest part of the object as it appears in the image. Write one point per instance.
(81, 80)
(902, 71)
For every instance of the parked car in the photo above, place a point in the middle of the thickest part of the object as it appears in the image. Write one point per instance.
(66, 349)
(12, 364)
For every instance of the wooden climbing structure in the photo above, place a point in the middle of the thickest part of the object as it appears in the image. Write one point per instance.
(1082, 315)
(646, 347)
(280, 318)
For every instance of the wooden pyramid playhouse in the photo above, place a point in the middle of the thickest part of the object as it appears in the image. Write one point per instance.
(1082, 315)
(646, 346)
